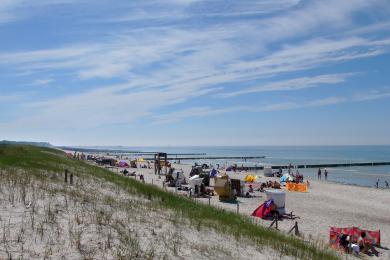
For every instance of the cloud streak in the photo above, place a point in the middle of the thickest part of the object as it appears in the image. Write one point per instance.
(292, 84)
(211, 111)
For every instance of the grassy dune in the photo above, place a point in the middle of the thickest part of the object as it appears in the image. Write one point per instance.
(49, 164)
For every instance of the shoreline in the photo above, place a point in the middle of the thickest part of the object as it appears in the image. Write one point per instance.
(308, 177)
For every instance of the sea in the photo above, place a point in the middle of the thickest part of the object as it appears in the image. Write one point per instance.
(284, 155)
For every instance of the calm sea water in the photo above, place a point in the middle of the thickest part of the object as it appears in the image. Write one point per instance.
(364, 176)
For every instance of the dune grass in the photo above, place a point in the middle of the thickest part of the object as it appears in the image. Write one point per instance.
(36, 159)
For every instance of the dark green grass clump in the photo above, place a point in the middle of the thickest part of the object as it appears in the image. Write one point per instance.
(36, 159)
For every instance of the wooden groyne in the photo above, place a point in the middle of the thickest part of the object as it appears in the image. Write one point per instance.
(323, 165)
(122, 151)
(211, 158)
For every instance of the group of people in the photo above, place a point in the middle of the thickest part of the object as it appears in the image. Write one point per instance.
(377, 184)
(298, 177)
(357, 246)
(270, 184)
(319, 174)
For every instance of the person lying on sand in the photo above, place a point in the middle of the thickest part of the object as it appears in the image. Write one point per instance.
(366, 247)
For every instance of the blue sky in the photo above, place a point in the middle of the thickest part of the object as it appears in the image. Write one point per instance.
(194, 72)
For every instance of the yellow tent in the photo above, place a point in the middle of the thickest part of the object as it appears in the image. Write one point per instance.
(250, 178)
(140, 159)
(300, 187)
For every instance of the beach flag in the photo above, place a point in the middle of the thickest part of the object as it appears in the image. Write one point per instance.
(372, 237)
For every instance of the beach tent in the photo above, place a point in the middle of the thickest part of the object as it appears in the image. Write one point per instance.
(123, 164)
(286, 177)
(140, 159)
(300, 187)
(250, 178)
(264, 210)
(372, 237)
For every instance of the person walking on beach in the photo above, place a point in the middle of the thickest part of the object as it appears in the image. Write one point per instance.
(326, 174)
(377, 184)
(319, 174)
(387, 184)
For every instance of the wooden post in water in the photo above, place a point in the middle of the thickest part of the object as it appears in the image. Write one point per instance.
(66, 175)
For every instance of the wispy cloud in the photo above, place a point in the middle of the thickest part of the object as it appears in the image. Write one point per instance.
(212, 111)
(41, 82)
(292, 84)
(12, 10)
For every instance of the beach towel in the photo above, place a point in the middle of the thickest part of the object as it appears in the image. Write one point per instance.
(264, 210)
(372, 237)
(299, 187)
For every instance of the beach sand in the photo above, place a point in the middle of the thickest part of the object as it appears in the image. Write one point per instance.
(325, 204)
(43, 218)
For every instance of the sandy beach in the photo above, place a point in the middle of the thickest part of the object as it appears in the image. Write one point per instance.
(325, 204)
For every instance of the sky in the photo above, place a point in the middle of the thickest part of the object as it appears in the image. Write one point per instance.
(195, 72)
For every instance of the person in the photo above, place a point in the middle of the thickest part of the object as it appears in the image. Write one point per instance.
(387, 184)
(202, 189)
(297, 177)
(141, 178)
(319, 174)
(344, 241)
(125, 172)
(377, 184)
(326, 174)
(263, 185)
(364, 246)
(196, 190)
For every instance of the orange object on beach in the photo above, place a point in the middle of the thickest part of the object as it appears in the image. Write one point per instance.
(299, 187)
